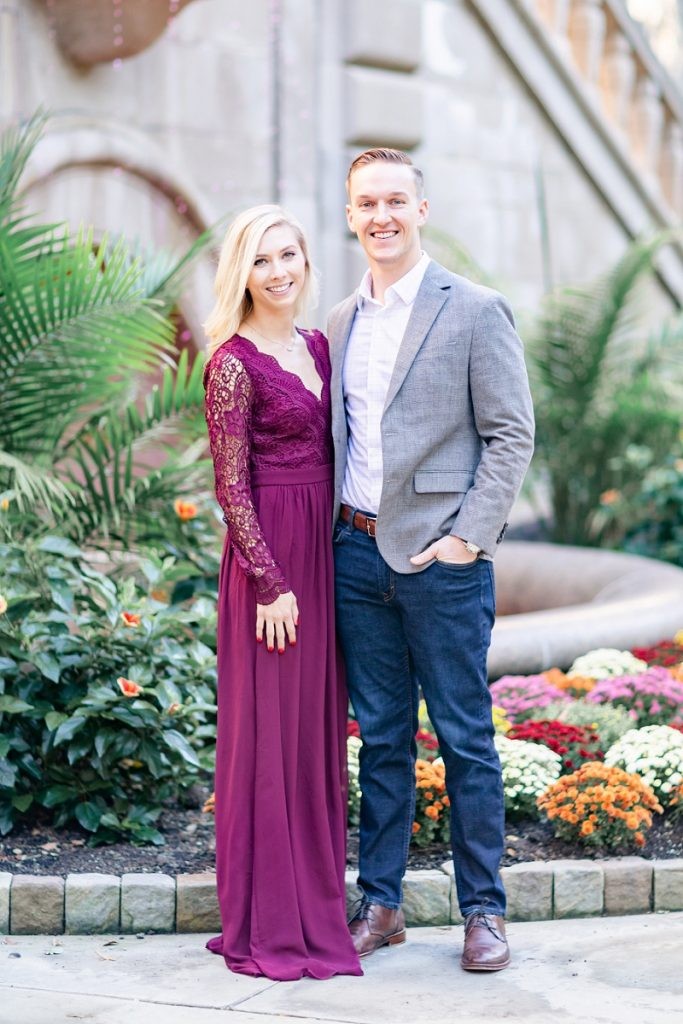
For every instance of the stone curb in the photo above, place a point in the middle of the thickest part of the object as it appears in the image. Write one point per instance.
(89, 904)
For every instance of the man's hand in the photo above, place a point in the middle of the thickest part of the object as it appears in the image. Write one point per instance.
(280, 617)
(446, 549)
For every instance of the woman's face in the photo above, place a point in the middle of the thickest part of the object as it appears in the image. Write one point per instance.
(279, 271)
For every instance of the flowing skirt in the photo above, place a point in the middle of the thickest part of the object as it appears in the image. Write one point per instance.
(281, 753)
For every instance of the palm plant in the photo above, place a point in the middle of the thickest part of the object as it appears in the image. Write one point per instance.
(601, 386)
(82, 325)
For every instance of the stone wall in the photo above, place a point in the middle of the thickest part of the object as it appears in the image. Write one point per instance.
(243, 103)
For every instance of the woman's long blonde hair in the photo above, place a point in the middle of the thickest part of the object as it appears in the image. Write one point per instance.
(241, 244)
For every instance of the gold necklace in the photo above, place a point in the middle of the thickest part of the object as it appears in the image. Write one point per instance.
(272, 341)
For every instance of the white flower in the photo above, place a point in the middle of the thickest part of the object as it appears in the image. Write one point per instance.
(528, 770)
(606, 662)
(655, 753)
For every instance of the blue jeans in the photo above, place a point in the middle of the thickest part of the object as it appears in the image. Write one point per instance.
(430, 629)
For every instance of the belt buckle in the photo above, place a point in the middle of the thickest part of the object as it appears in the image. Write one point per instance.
(370, 526)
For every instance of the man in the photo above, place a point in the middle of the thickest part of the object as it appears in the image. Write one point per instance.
(433, 432)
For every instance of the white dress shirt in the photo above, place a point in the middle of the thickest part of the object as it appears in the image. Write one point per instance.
(375, 338)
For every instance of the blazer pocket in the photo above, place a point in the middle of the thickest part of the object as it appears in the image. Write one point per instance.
(431, 482)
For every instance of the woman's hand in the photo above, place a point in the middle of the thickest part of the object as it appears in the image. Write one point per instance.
(279, 618)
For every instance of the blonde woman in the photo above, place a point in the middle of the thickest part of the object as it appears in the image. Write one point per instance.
(281, 752)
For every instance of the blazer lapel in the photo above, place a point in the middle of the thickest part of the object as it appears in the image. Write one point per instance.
(340, 331)
(428, 302)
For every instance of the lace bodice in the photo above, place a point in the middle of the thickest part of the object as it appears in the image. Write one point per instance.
(260, 416)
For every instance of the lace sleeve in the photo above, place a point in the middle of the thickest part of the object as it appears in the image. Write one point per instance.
(228, 417)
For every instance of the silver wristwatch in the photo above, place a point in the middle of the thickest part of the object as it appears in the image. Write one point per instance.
(473, 549)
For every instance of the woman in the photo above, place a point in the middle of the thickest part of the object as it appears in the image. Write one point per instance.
(281, 751)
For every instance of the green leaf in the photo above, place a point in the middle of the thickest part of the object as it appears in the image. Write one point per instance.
(53, 719)
(177, 741)
(14, 705)
(89, 815)
(47, 665)
(22, 801)
(58, 794)
(8, 774)
(68, 729)
(60, 546)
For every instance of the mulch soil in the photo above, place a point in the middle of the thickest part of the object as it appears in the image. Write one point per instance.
(36, 847)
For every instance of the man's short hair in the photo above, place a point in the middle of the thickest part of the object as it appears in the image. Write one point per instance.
(390, 156)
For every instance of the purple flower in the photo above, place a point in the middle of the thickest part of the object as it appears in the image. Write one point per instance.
(520, 695)
(652, 697)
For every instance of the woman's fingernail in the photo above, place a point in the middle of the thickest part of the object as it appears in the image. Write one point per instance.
(280, 650)
(259, 639)
(271, 648)
(292, 643)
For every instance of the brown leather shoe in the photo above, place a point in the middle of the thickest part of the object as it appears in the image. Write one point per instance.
(374, 926)
(486, 947)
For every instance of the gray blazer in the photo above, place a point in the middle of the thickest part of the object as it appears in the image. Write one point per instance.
(457, 426)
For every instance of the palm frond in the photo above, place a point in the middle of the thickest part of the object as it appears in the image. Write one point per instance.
(116, 491)
(29, 485)
(16, 145)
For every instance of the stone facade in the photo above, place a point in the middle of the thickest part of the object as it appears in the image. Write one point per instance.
(238, 104)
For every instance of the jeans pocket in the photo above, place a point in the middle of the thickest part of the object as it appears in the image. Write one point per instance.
(341, 531)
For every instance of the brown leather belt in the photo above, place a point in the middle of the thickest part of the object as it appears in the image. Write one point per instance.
(358, 519)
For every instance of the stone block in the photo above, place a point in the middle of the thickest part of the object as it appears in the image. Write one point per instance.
(5, 883)
(369, 42)
(628, 885)
(37, 905)
(578, 888)
(668, 884)
(384, 108)
(426, 898)
(91, 904)
(529, 888)
(197, 907)
(449, 871)
(147, 903)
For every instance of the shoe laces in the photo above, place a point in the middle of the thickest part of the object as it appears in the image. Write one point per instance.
(482, 918)
(360, 911)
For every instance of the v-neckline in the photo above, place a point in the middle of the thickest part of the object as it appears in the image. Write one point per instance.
(291, 373)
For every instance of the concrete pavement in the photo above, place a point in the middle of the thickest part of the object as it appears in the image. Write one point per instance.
(591, 971)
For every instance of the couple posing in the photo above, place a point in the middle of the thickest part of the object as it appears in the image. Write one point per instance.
(411, 435)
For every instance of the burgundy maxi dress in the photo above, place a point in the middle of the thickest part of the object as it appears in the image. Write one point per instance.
(280, 779)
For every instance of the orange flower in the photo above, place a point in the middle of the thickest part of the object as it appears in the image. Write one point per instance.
(4, 504)
(587, 828)
(210, 805)
(128, 687)
(172, 708)
(184, 509)
(429, 795)
(159, 594)
(610, 497)
(432, 813)
(131, 619)
(416, 827)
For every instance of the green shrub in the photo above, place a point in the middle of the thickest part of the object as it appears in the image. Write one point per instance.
(70, 738)
(610, 722)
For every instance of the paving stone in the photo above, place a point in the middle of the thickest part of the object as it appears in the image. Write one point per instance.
(427, 898)
(197, 907)
(668, 884)
(5, 883)
(628, 885)
(448, 869)
(578, 888)
(37, 905)
(91, 903)
(529, 889)
(147, 903)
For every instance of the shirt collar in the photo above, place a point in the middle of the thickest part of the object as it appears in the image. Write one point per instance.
(404, 290)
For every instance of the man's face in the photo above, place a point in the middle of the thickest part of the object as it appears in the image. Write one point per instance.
(385, 213)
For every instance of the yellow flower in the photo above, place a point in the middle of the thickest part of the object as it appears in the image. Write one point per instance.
(4, 504)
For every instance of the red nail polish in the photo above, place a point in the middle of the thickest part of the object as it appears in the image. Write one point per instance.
(259, 639)
(271, 648)
(292, 643)
(280, 650)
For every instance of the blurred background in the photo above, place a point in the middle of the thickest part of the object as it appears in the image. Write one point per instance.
(550, 131)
